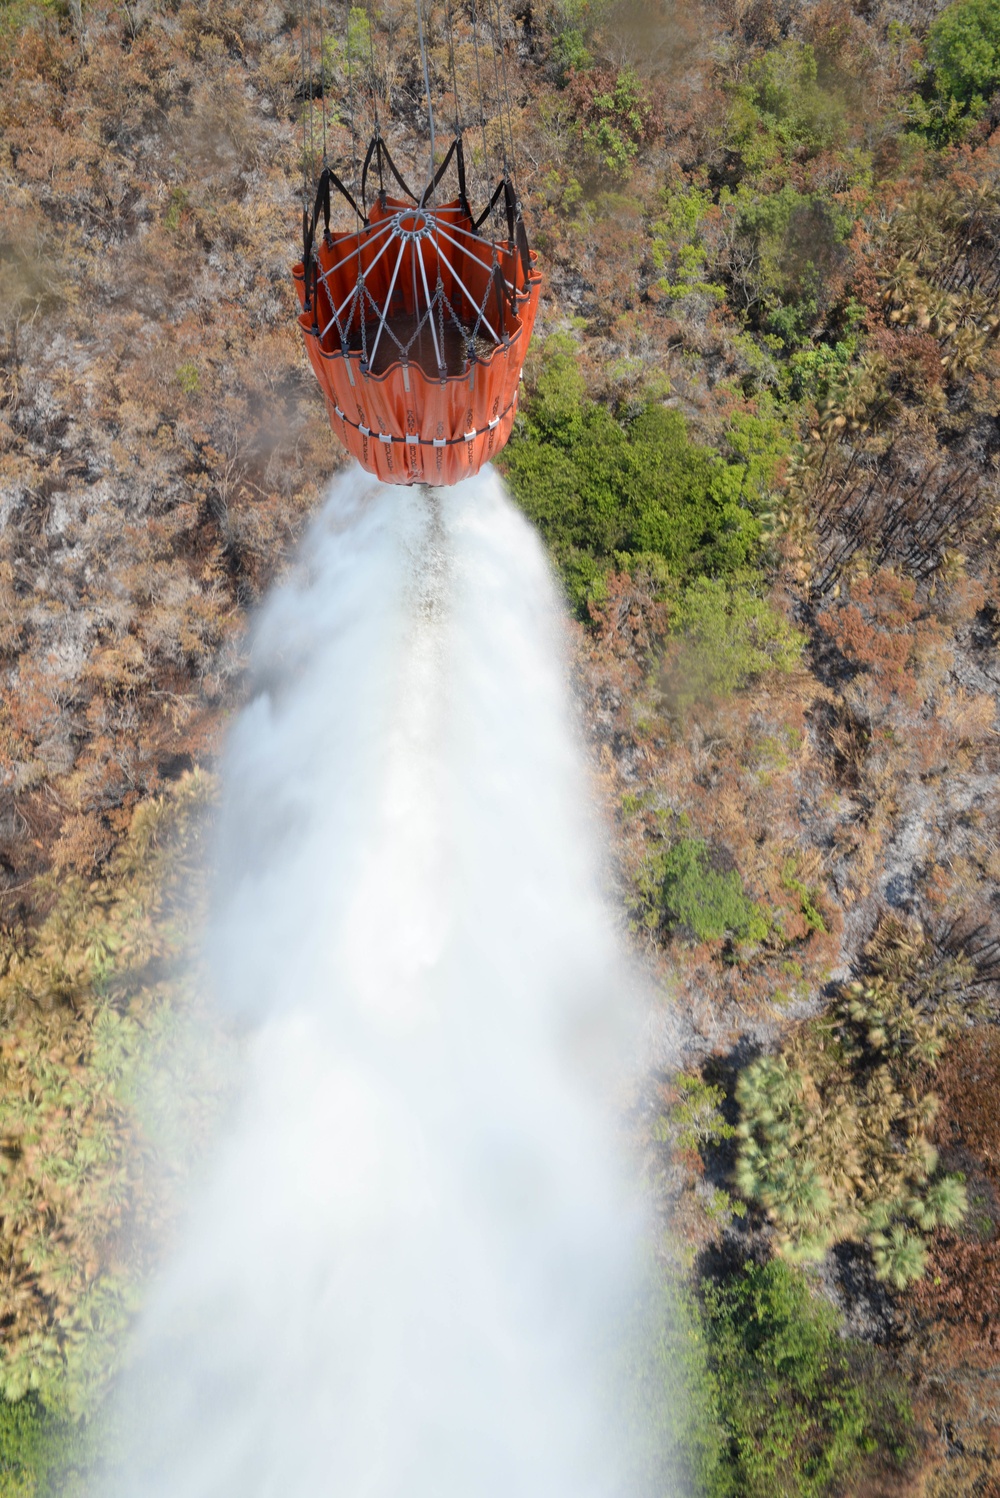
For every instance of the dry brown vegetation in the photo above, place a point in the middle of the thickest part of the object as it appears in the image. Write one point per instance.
(155, 454)
(161, 442)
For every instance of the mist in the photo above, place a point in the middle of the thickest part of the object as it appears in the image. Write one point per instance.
(410, 1261)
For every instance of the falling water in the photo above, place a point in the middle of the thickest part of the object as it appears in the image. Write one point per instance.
(410, 1255)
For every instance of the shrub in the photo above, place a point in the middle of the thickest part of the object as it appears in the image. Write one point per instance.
(188, 377)
(560, 397)
(705, 900)
(878, 631)
(963, 51)
(678, 1384)
(41, 1455)
(730, 634)
(22, 1448)
(782, 108)
(616, 117)
(899, 1256)
(783, 253)
(350, 54)
(16, 14)
(695, 1118)
(678, 248)
(571, 53)
(800, 1406)
(603, 491)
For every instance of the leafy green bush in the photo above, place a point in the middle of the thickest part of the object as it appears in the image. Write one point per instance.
(617, 123)
(14, 14)
(23, 1448)
(569, 21)
(42, 1455)
(602, 491)
(814, 371)
(678, 1414)
(963, 53)
(784, 250)
(729, 635)
(807, 897)
(678, 247)
(781, 108)
(751, 1392)
(710, 902)
(351, 52)
(571, 52)
(800, 1406)
(17, 15)
(696, 1118)
(189, 377)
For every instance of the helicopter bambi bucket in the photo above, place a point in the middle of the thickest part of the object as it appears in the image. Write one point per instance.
(417, 319)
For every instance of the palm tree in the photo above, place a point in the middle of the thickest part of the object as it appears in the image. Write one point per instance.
(900, 1256)
(944, 1204)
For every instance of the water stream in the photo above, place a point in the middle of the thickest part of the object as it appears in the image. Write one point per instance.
(405, 1269)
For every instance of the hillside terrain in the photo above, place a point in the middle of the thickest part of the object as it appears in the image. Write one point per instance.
(761, 439)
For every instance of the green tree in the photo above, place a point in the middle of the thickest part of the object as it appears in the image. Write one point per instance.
(604, 491)
(618, 121)
(801, 1407)
(900, 1256)
(781, 108)
(963, 53)
(709, 902)
(730, 634)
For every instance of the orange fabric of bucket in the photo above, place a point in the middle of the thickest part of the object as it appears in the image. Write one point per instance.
(417, 329)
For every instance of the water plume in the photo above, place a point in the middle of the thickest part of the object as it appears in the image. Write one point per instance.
(408, 1260)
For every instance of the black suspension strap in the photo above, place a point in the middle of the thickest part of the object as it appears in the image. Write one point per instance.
(498, 193)
(328, 178)
(456, 150)
(374, 146)
(377, 148)
(524, 251)
(500, 292)
(307, 244)
(510, 206)
(463, 196)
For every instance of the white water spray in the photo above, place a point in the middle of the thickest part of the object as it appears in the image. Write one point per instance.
(405, 1275)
